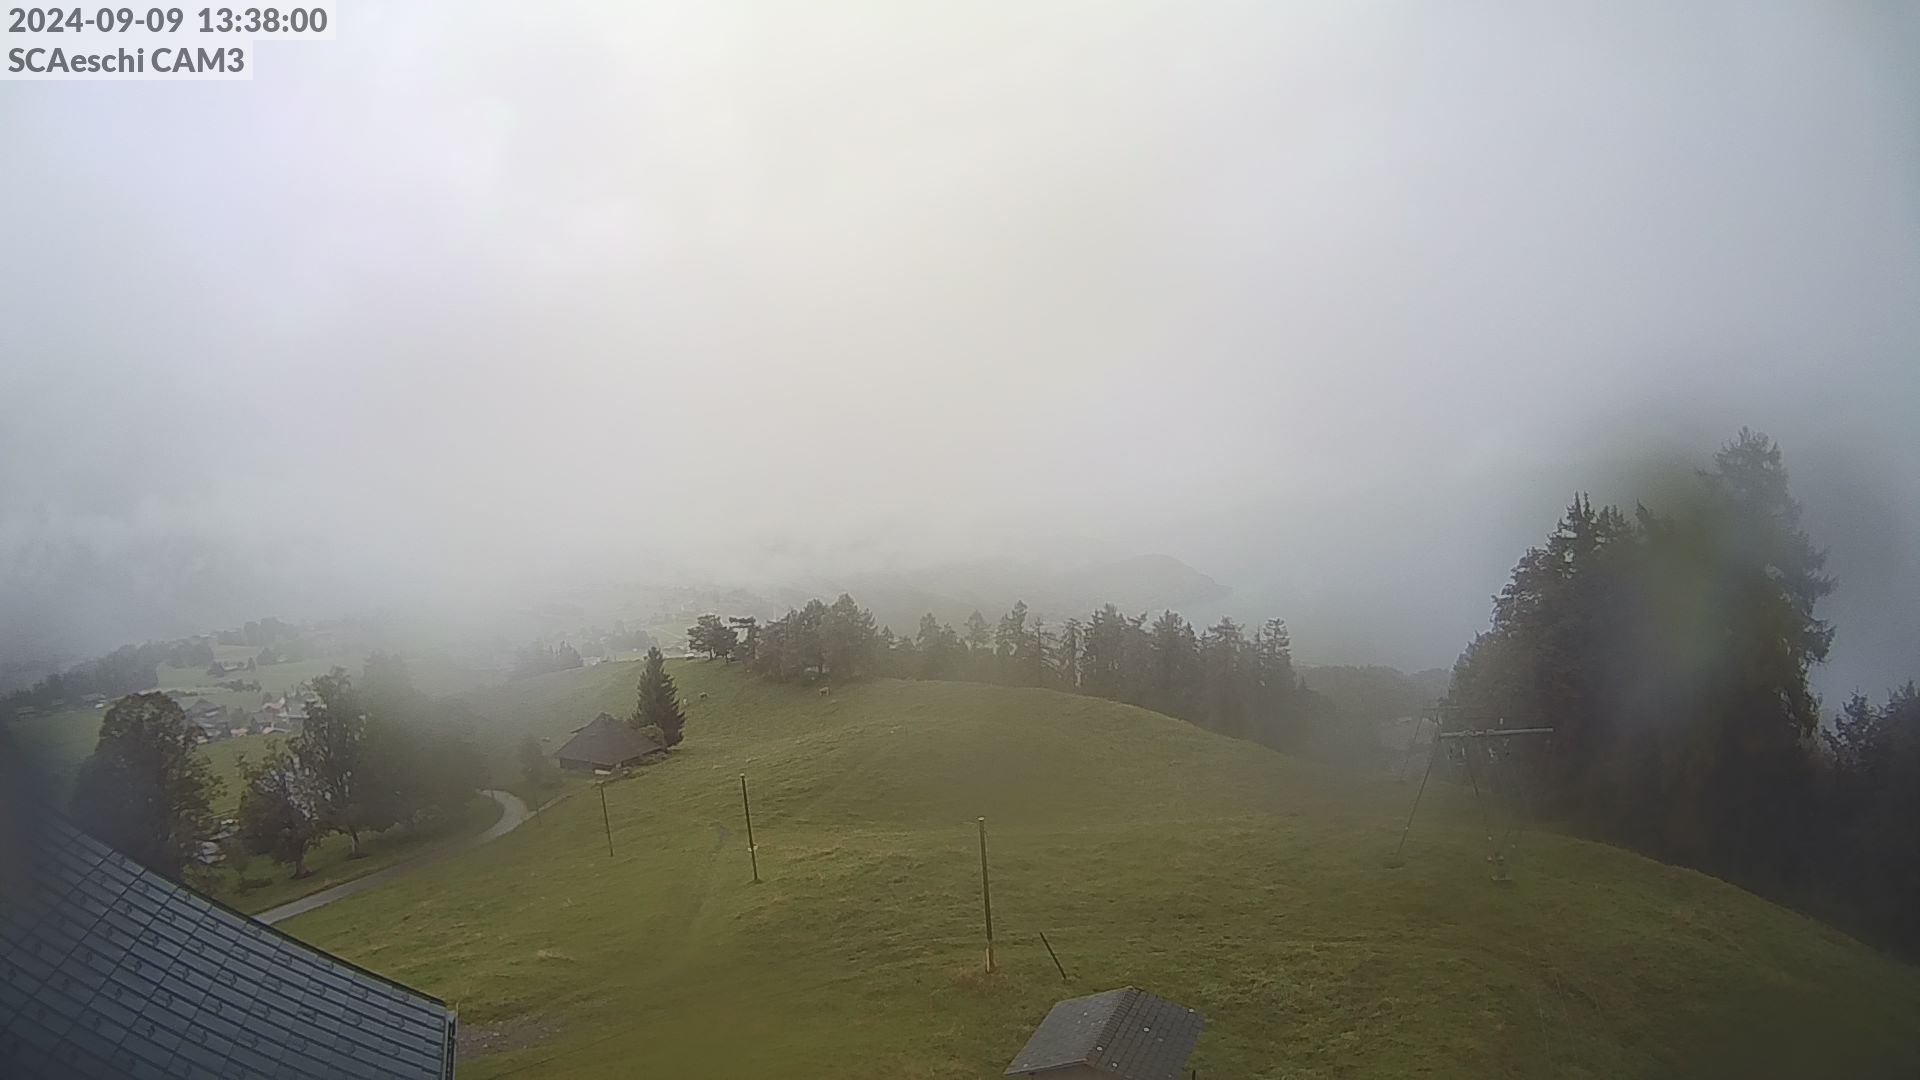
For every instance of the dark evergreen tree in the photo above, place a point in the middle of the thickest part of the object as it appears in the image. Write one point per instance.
(936, 645)
(806, 642)
(1066, 656)
(1008, 641)
(1870, 847)
(1226, 670)
(659, 704)
(847, 639)
(979, 636)
(907, 661)
(1279, 712)
(1036, 666)
(1670, 653)
(1172, 676)
(1103, 648)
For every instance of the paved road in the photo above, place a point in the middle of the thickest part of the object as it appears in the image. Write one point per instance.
(513, 813)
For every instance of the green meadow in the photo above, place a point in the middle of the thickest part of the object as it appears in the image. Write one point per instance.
(1249, 885)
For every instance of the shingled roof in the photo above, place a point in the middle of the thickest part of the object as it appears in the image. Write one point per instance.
(108, 969)
(1127, 1032)
(606, 743)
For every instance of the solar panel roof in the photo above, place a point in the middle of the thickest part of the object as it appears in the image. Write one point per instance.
(110, 970)
(1127, 1032)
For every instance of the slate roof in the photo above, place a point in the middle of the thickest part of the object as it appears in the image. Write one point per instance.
(1127, 1032)
(107, 969)
(606, 742)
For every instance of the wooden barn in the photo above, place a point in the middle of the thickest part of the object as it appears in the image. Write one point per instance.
(604, 745)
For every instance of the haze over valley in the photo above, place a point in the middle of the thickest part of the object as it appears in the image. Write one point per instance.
(1311, 301)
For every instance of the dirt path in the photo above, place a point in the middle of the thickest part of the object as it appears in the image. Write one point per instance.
(513, 814)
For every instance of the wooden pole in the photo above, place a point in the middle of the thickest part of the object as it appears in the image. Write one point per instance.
(1473, 777)
(986, 891)
(1055, 955)
(604, 820)
(1484, 733)
(753, 855)
(1494, 855)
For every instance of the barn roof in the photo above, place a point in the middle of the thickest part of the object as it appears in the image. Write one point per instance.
(1127, 1032)
(606, 742)
(108, 969)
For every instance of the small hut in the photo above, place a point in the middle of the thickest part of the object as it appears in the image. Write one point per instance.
(1125, 1034)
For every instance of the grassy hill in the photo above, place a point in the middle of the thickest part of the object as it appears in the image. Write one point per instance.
(1227, 877)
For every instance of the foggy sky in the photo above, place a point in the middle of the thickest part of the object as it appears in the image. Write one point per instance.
(1338, 303)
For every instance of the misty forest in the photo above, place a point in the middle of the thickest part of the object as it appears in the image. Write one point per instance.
(1142, 542)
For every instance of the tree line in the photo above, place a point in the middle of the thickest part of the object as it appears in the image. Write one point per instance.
(1224, 678)
(541, 658)
(126, 670)
(1670, 651)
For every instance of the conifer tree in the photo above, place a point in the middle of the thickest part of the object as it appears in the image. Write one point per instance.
(659, 702)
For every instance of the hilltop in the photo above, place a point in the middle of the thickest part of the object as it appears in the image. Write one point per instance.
(1214, 872)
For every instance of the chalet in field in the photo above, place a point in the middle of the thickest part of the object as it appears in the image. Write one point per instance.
(604, 745)
(1124, 1034)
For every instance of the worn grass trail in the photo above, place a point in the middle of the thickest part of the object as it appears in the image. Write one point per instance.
(1220, 874)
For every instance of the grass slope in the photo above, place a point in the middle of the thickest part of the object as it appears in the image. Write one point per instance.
(259, 883)
(1217, 873)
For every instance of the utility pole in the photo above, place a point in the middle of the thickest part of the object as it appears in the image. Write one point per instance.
(986, 892)
(604, 820)
(753, 854)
